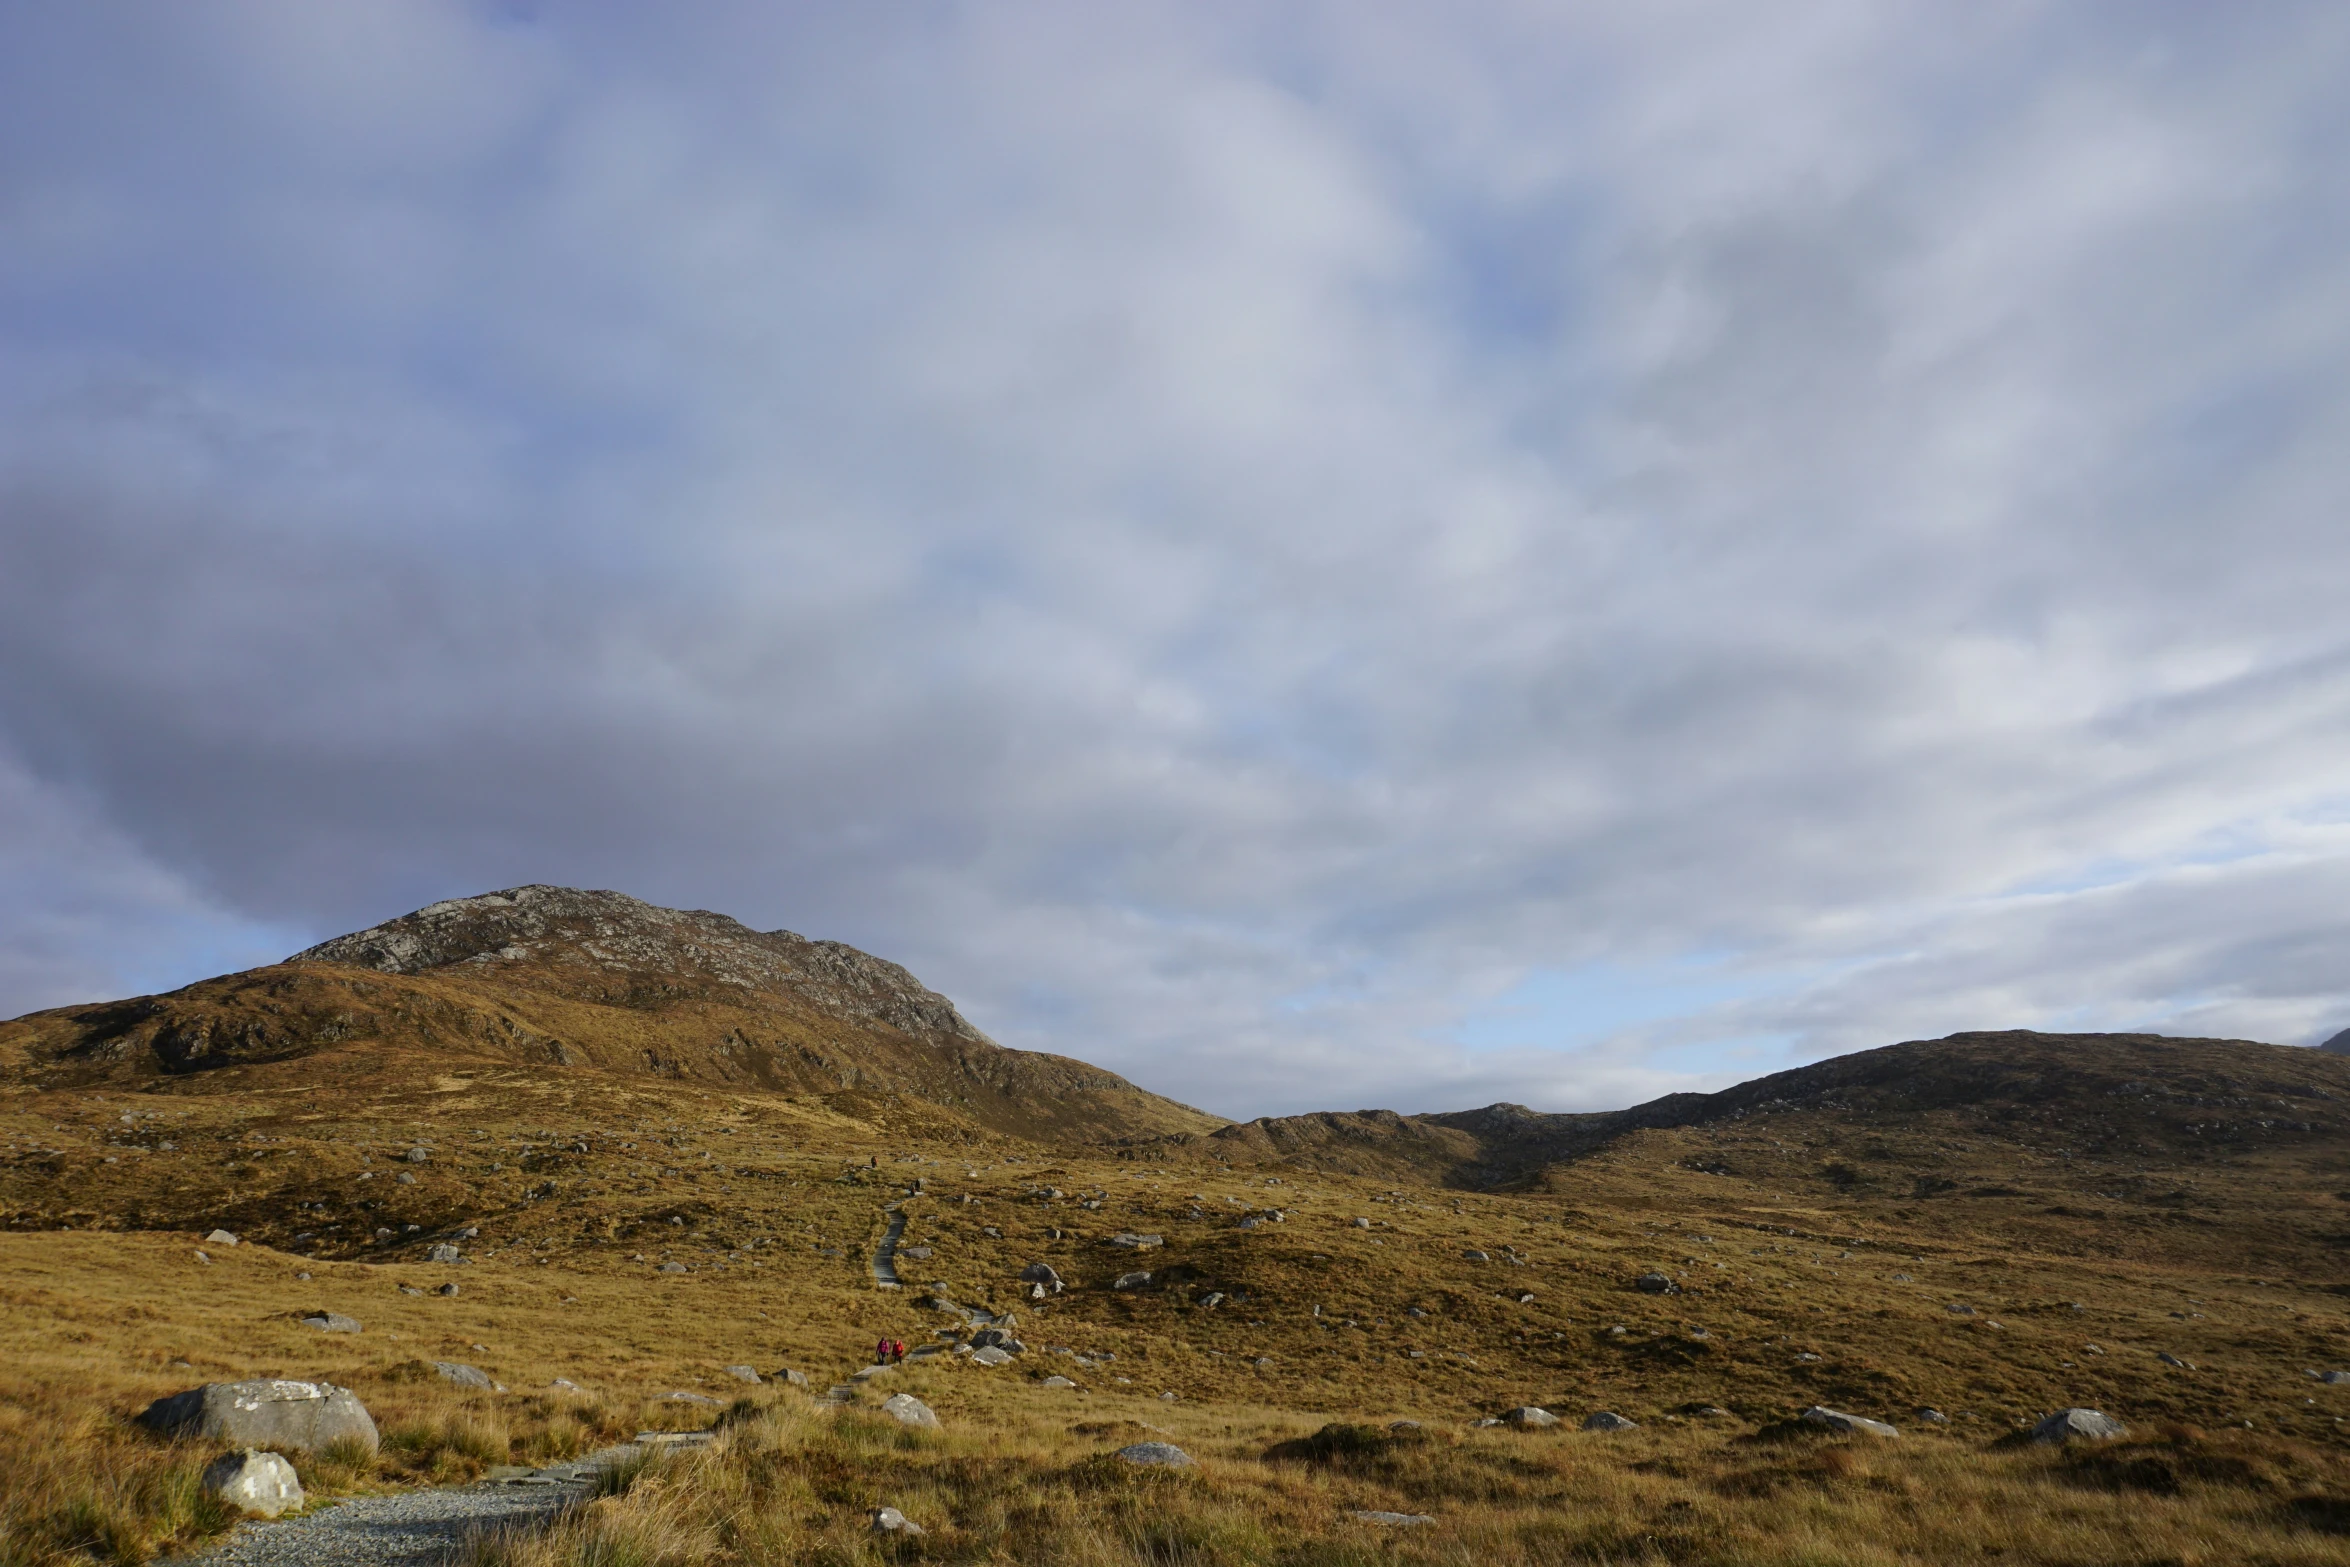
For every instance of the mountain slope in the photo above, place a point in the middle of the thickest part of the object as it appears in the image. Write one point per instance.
(594, 981)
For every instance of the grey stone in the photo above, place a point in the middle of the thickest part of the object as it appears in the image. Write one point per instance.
(1039, 1273)
(1390, 1520)
(908, 1410)
(444, 1252)
(418, 1155)
(703, 1399)
(2078, 1425)
(1530, 1417)
(410, 1289)
(1161, 1454)
(1655, 1284)
(795, 1378)
(254, 1482)
(998, 1338)
(744, 1374)
(332, 1322)
(1131, 1281)
(1475, 1256)
(1058, 1382)
(222, 1238)
(2332, 1378)
(888, 1520)
(990, 1356)
(265, 1414)
(2169, 1359)
(1932, 1416)
(448, 1289)
(1364, 1224)
(1607, 1420)
(1957, 1310)
(406, 1179)
(460, 1373)
(671, 1267)
(1850, 1425)
(1135, 1242)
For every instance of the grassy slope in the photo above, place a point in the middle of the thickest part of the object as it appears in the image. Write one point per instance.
(1793, 1254)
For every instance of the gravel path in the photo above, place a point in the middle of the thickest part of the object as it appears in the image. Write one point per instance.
(412, 1529)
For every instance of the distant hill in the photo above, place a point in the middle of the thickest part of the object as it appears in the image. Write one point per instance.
(2156, 1094)
(601, 982)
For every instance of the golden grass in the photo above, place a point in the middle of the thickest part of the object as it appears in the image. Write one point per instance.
(798, 1484)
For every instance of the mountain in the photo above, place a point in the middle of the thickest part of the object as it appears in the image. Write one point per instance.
(2339, 1045)
(2146, 1094)
(571, 980)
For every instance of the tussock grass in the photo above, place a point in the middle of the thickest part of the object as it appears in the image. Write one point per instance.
(798, 1483)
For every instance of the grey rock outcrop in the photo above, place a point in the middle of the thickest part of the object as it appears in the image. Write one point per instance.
(1164, 1455)
(989, 1355)
(908, 1410)
(1850, 1425)
(1531, 1417)
(461, 1374)
(2078, 1425)
(442, 1251)
(253, 1482)
(310, 1416)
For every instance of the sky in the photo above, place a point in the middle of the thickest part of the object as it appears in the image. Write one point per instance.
(1315, 555)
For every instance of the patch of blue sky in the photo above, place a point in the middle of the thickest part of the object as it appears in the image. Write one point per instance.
(199, 946)
(1568, 1009)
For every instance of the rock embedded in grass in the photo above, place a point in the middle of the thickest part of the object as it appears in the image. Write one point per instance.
(1850, 1425)
(463, 1375)
(273, 1413)
(1165, 1455)
(745, 1374)
(1390, 1520)
(332, 1322)
(2078, 1425)
(888, 1520)
(1608, 1420)
(908, 1410)
(1655, 1284)
(254, 1482)
(1058, 1381)
(220, 1238)
(442, 1251)
(1131, 1281)
(1133, 1242)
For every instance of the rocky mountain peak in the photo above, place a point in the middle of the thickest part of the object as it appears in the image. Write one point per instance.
(582, 932)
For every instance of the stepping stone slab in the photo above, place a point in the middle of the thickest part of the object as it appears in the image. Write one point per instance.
(265, 1414)
(1165, 1455)
(1850, 1425)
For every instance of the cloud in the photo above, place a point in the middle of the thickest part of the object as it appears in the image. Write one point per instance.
(1232, 542)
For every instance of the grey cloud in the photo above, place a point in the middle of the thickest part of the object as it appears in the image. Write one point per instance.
(1222, 540)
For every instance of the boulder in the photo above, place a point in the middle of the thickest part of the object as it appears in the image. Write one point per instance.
(671, 1267)
(998, 1338)
(1131, 1281)
(2332, 1378)
(1850, 1425)
(332, 1322)
(1475, 1256)
(1607, 1420)
(1531, 1417)
(1932, 1416)
(1655, 1284)
(418, 1155)
(1164, 1455)
(795, 1378)
(447, 1289)
(1058, 1382)
(745, 1374)
(310, 1416)
(254, 1482)
(1364, 1224)
(908, 1410)
(442, 1251)
(460, 1373)
(2078, 1425)
(888, 1520)
(1040, 1273)
(990, 1356)
(222, 1238)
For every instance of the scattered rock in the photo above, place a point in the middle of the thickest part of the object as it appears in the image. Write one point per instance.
(405, 1179)
(1131, 1281)
(254, 1482)
(1475, 1256)
(1957, 1310)
(795, 1378)
(2169, 1359)
(671, 1267)
(1655, 1284)
(224, 1238)
(1058, 1382)
(703, 1399)
(461, 1374)
(2078, 1425)
(1530, 1418)
(418, 1155)
(1403, 1425)
(990, 1356)
(448, 1289)
(1932, 1416)
(998, 1338)
(913, 1254)
(301, 1278)
(1391, 1520)
(908, 1410)
(265, 1414)
(1137, 1242)
(888, 1520)
(1364, 1224)
(410, 1289)
(442, 1251)
(1168, 1397)
(1850, 1425)
(565, 1383)
(1903, 1278)
(332, 1322)
(1607, 1420)
(745, 1374)
(1161, 1454)
(2331, 1378)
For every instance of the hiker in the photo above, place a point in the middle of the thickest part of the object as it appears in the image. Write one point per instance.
(881, 1352)
(897, 1351)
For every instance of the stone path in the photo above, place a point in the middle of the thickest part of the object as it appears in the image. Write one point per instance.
(885, 1255)
(422, 1528)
